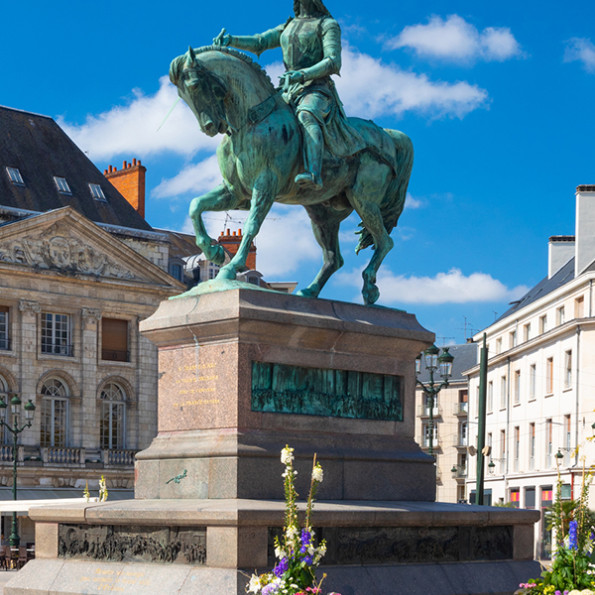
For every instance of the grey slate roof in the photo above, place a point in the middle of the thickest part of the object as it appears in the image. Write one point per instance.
(545, 286)
(465, 357)
(40, 149)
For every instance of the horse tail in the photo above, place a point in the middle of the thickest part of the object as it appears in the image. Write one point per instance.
(393, 201)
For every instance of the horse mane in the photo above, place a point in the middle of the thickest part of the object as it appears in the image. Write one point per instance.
(177, 63)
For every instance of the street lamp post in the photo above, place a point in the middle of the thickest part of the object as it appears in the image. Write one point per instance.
(15, 430)
(434, 361)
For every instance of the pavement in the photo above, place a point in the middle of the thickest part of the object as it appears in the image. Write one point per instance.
(5, 576)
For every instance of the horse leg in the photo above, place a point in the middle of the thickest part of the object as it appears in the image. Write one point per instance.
(370, 187)
(218, 199)
(264, 192)
(325, 225)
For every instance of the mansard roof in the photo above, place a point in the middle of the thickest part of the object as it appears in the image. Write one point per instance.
(40, 150)
(564, 275)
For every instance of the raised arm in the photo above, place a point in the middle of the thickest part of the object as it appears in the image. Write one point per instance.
(252, 43)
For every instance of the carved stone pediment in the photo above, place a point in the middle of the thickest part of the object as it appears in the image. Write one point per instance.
(58, 247)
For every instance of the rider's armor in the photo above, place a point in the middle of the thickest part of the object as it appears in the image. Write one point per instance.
(312, 46)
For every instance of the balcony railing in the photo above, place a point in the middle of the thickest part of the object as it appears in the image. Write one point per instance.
(461, 409)
(61, 455)
(119, 457)
(68, 456)
(4, 344)
(57, 349)
(112, 355)
(424, 411)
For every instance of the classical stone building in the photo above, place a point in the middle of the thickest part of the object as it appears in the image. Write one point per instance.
(79, 268)
(449, 424)
(541, 369)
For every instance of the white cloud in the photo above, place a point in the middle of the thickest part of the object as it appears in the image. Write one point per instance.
(144, 126)
(369, 89)
(581, 50)
(138, 128)
(457, 40)
(452, 287)
(196, 178)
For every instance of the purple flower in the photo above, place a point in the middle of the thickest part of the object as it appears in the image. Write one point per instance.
(308, 560)
(282, 567)
(306, 537)
(572, 536)
(269, 589)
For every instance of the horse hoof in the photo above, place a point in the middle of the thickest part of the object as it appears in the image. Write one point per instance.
(307, 293)
(309, 181)
(371, 295)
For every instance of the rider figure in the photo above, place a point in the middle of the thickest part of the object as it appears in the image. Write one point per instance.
(311, 45)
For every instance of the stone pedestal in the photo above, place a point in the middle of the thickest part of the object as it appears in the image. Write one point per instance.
(242, 374)
(333, 378)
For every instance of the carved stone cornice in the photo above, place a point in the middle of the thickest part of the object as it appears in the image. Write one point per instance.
(29, 306)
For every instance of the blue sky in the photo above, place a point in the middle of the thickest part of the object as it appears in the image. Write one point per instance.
(497, 98)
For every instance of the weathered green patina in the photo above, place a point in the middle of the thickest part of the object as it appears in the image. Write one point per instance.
(273, 149)
(281, 388)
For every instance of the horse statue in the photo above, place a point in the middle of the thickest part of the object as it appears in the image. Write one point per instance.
(261, 154)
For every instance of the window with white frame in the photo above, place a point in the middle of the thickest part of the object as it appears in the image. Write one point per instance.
(490, 397)
(549, 375)
(499, 345)
(512, 339)
(56, 334)
(517, 387)
(54, 413)
(4, 328)
(14, 175)
(426, 434)
(549, 442)
(62, 185)
(561, 315)
(502, 450)
(531, 446)
(503, 389)
(527, 331)
(532, 382)
(463, 433)
(567, 440)
(568, 369)
(112, 429)
(517, 447)
(579, 307)
(97, 192)
(543, 324)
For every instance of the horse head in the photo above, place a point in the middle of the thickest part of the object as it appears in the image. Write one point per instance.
(202, 90)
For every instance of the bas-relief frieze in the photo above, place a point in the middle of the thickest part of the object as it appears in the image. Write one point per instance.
(281, 388)
(55, 249)
(390, 545)
(133, 543)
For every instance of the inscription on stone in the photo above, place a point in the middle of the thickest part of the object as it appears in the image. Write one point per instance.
(281, 388)
(133, 544)
(195, 385)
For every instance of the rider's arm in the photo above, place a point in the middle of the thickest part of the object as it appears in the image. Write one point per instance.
(331, 49)
(258, 43)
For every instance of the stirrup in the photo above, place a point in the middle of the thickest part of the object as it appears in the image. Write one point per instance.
(309, 180)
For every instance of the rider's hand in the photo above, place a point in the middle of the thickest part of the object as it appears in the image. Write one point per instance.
(291, 77)
(223, 39)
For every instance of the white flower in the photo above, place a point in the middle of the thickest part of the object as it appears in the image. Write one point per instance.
(280, 553)
(254, 586)
(317, 474)
(291, 532)
(287, 456)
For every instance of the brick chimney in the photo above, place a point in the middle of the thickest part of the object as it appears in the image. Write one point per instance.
(231, 242)
(130, 183)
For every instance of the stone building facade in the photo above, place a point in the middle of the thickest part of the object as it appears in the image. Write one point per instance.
(79, 268)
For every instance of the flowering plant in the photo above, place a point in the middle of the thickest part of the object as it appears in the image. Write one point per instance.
(296, 553)
(573, 568)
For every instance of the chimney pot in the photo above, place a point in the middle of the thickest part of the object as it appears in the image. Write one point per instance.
(124, 165)
(134, 161)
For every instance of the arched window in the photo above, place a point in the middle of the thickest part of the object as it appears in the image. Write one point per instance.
(112, 434)
(54, 413)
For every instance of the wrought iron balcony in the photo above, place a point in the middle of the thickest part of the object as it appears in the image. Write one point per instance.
(57, 349)
(113, 355)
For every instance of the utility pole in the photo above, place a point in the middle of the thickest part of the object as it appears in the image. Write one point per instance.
(481, 430)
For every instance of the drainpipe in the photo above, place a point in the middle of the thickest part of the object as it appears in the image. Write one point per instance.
(576, 391)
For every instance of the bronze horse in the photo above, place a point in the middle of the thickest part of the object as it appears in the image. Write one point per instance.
(260, 157)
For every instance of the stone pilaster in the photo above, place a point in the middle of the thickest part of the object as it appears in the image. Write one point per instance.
(90, 318)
